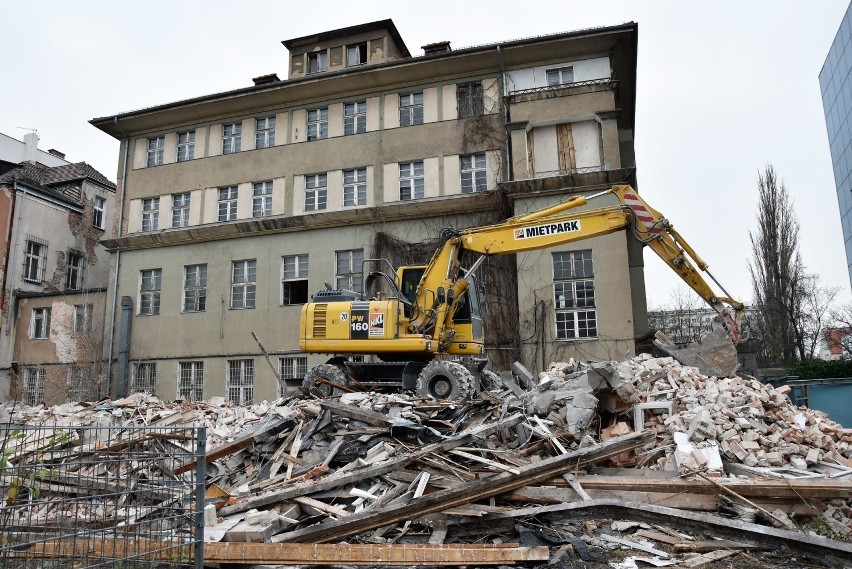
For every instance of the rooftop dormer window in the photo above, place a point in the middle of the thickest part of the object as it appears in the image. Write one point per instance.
(318, 62)
(356, 54)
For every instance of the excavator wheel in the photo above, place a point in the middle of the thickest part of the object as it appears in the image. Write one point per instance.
(490, 381)
(445, 380)
(317, 380)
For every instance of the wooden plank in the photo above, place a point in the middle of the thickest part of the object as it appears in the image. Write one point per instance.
(464, 493)
(237, 445)
(714, 544)
(708, 558)
(634, 545)
(357, 413)
(335, 511)
(358, 474)
(550, 495)
(370, 554)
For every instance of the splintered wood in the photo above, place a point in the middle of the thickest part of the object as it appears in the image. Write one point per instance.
(391, 479)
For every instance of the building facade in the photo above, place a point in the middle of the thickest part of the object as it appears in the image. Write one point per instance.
(234, 207)
(54, 275)
(836, 88)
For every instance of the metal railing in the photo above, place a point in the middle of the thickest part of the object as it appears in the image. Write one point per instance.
(80, 497)
(562, 86)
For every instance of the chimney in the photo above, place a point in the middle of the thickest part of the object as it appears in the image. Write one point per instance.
(30, 147)
(56, 153)
(437, 47)
(264, 79)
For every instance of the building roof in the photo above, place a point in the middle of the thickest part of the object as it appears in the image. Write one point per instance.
(621, 38)
(380, 25)
(56, 181)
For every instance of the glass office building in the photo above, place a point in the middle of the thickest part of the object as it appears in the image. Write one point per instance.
(836, 88)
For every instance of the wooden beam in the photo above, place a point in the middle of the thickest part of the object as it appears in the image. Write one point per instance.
(237, 445)
(370, 554)
(357, 413)
(334, 530)
(358, 474)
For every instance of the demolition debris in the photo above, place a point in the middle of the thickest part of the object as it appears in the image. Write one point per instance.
(692, 468)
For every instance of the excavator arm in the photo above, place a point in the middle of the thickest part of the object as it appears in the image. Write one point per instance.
(444, 281)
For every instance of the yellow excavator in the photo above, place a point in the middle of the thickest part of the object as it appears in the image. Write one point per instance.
(425, 311)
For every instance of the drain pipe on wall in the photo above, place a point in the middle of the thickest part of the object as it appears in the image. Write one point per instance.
(123, 379)
(507, 155)
(9, 300)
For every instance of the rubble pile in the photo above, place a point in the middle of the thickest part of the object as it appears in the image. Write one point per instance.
(646, 439)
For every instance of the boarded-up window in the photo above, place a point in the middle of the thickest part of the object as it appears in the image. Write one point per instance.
(336, 56)
(565, 147)
(298, 64)
(377, 49)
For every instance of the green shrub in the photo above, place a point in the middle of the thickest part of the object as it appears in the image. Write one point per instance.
(821, 369)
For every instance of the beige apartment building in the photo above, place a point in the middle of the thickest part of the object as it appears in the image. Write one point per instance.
(234, 207)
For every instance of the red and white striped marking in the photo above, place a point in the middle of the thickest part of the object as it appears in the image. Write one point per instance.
(642, 213)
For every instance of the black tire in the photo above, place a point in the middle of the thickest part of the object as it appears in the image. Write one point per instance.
(445, 380)
(490, 381)
(312, 385)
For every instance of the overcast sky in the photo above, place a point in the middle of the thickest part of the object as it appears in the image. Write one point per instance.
(724, 88)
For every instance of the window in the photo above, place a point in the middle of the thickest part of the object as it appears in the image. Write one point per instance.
(98, 210)
(82, 318)
(186, 146)
(473, 174)
(294, 279)
(411, 180)
(240, 384)
(292, 371)
(150, 214)
(348, 266)
(317, 62)
(156, 148)
(264, 136)
(180, 210)
(261, 203)
(231, 135)
(191, 380)
(149, 291)
(195, 288)
(74, 270)
(561, 76)
(355, 187)
(228, 203)
(411, 109)
(355, 117)
(318, 123)
(40, 324)
(243, 283)
(34, 385)
(356, 54)
(470, 101)
(35, 260)
(316, 192)
(144, 377)
(78, 386)
(574, 295)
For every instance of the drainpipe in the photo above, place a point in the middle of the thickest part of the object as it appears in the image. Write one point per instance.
(10, 227)
(507, 151)
(117, 268)
(121, 389)
(8, 300)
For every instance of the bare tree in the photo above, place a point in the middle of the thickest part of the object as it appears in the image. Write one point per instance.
(777, 271)
(813, 317)
(842, 329)
(684, 318)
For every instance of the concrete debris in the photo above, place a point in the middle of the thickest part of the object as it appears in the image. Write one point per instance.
(390, 468)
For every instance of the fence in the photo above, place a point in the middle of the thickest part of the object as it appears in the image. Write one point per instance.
(101, 497)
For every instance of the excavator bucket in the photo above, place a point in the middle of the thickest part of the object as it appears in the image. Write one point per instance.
(714, 354)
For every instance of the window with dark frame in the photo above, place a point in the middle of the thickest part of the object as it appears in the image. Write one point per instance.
(470, 99)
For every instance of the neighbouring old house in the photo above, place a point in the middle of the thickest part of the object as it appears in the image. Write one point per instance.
(236, 206)
(54, 273)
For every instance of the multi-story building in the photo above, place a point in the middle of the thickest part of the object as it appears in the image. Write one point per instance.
(836, 87)
(54, 273)
(234, 207)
